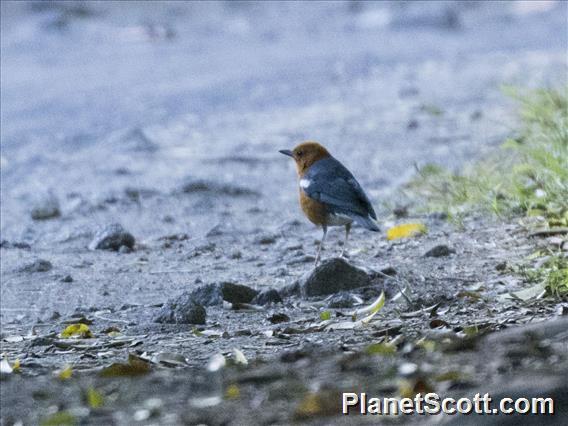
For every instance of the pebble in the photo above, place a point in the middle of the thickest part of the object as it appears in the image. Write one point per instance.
(215, 293)
(47, 208)
(439, 251)
(266, 239)
(39, 265)
(112, 237)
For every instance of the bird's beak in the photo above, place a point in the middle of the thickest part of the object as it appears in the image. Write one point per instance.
(286, 152)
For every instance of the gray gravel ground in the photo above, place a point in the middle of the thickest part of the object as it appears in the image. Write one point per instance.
(167, 118)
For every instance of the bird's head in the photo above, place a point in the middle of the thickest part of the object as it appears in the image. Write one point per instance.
(306, 154)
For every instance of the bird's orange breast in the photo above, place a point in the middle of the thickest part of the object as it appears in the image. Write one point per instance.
(315, 211)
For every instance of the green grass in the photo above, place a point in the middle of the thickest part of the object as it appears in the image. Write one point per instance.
(527, 177)
(552, 274)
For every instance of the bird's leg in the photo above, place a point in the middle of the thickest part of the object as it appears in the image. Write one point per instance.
(347, 229)
(321, 244)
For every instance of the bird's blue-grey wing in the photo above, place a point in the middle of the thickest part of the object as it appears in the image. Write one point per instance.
(329, 182)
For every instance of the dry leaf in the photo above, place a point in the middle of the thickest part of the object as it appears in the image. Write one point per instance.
(384, 348)
(65, 373)
(232, 392)
(406, 230)
(372, 309)
(135, 367)
(94, 398)
(61, 418)
(77, 330)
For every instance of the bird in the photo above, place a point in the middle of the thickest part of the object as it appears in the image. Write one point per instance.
(329, 194)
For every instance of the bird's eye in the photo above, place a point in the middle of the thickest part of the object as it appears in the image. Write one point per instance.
(299, 153)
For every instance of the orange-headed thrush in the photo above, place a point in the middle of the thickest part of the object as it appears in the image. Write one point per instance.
(329, 194)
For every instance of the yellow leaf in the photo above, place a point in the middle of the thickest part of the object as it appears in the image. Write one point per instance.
(135, 367)
(372, 309)
(16, 366)
(323, 403)
(384, 348)
(310, 406)
(94, 398)
(61, 418)
(427, 345)
(65, 373)
(406, 230)
(77, 330)
(233, 392)
(325, 315)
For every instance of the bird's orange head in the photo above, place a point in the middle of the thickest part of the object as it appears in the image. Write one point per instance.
(306, 154)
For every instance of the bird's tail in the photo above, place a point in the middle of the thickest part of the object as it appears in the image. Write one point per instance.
(367, 222)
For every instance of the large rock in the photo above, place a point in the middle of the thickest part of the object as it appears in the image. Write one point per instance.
(112, 237)
(182, 310)
(333, 276)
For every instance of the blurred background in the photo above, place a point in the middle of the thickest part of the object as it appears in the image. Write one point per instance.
(110, 109)
(167, 118)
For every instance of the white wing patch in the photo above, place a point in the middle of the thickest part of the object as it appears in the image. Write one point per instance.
(304, 183)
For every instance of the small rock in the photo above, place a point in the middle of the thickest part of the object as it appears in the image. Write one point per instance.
(168, 219)
(236, 254)
(67, 279)
(412, 124)
(182, 310)
(301, 259)
(341, 301)
(400, 211)
(17, 245)
(237, 293)
(214, 294)
(47, 208)
(267, 297)
(439, 251)
(175, 237)
(112, 237)
(333, 276)
(39, 265)
(266, 239)
(193, 186)
(501, 266)
(216, 231)
(438, 216)
(279, 318)
(388, 270)
(476, 115)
